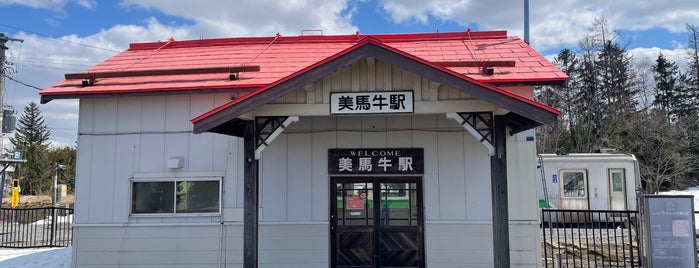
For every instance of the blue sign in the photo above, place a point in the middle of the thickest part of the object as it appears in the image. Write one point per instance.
(17, 154)
(555, 178)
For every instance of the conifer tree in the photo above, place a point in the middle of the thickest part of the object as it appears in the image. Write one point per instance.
(31, 137)
(666, 86)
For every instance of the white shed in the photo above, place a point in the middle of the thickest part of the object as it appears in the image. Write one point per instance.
(310, 151)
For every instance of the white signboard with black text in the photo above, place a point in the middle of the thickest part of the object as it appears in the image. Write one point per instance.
(377, 102)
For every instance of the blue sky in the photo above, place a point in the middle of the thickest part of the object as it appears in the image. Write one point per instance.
(63, 36)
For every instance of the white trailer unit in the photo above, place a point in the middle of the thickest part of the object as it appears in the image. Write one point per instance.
(589, 181)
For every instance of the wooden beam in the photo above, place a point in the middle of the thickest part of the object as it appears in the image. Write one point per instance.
(498, 186)
(156, 72)
(250, 183)
(476, 63)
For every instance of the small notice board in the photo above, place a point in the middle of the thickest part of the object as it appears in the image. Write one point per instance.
(668, 231)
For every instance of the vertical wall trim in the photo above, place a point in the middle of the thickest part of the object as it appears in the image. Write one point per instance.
(251, 184)
(498, 180)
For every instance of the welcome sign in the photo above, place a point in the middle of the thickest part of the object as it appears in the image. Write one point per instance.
(376, 161)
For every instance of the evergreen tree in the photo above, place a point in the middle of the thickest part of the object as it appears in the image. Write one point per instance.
(31, 137)
(690, 79)
(616, 80)
(689, 121)
(552, 137)
(666, 86)
(31, 129)
(65, 156)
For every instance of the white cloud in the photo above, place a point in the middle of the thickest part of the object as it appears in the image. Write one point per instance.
(44, 61)
(86, 4)
(45, 4)
(256, 18)
(49, 4)
(552, 23)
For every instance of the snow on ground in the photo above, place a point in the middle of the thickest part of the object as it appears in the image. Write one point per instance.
(35, 258)
(61, 220)
(60, 257)
(690, 191)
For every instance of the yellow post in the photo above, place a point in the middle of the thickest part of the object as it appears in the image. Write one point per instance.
(15, 193)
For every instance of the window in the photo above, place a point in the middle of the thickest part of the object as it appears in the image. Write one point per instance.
(617, 180)
(175, 196)
(574, 183)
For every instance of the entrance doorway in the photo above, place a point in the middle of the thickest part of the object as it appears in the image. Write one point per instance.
(359, 238)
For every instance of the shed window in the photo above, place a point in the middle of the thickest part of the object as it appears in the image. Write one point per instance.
(176, 196)
(574, 183)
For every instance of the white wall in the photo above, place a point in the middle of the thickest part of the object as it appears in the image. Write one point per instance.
(122, 137)
(294, 185)
(293, 169)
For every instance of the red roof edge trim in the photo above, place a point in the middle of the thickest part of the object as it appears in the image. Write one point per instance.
(386, 38)
(562, 80)
(149, 90)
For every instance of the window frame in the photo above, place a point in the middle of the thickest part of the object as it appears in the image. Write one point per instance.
(174, 180)
(561, 173)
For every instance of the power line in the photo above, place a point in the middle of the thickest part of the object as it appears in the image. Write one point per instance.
(22, 83)
(59, 39)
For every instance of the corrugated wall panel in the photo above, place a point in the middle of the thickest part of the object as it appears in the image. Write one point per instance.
(153, 115)
(299, 174)
(159, 246)
(126, 158)
(428, 141)
(129, 114)
(452, 188)
(292, 245)
(321, 141)
(273, 180)
(477, 180)
(373, 132)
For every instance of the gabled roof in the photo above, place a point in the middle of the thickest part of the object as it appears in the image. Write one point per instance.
(525, 113)
(281, 56)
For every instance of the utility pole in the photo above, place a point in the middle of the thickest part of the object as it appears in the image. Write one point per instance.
(3, 40)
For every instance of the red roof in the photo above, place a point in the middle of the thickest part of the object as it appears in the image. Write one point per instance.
(224, 119)
(280, 56)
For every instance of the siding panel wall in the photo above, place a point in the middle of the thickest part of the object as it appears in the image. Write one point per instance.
(159, 246)
(471, 244)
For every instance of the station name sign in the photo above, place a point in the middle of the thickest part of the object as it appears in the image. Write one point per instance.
(376, 161)
(379, 102)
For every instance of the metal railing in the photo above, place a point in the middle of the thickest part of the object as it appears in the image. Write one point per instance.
(590, 238)
(36, 227)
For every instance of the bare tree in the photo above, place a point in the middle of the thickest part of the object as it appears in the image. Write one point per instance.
(658, 146)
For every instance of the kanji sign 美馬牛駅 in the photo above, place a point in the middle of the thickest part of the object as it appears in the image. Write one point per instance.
(376, 161)
(382, 102)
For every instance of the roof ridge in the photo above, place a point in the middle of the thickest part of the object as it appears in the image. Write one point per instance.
(385, 38)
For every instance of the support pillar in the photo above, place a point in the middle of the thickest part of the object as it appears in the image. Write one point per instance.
(251, 201)
(498, 184)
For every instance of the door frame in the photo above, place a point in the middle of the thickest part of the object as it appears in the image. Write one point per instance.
(610, 173)
(376, 181)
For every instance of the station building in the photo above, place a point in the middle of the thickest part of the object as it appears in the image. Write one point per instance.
(382, 150)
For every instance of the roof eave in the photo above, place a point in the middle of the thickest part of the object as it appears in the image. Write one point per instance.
(47, 97)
